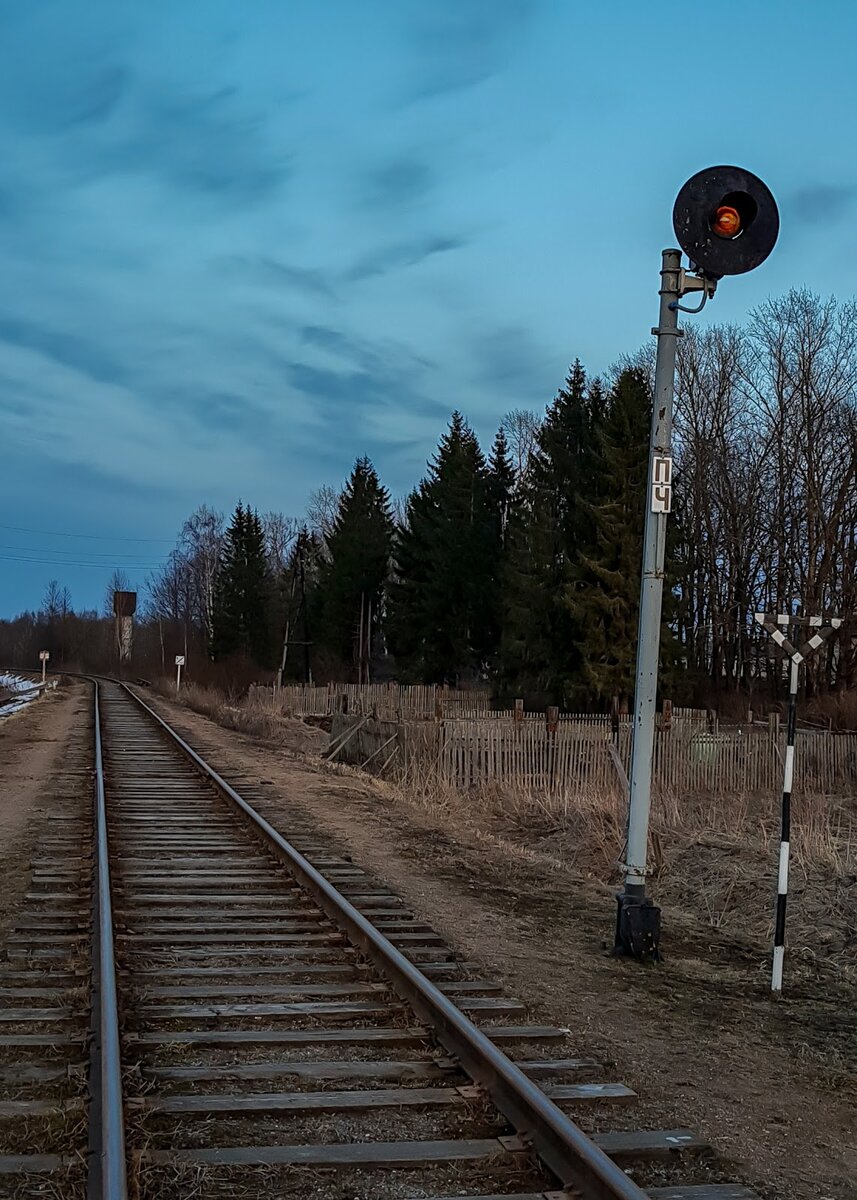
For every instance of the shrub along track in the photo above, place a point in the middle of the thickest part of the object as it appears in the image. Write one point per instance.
(285, 1026)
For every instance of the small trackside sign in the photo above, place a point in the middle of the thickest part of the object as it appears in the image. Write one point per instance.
(44, 655)
(662, 483)
(179, 660)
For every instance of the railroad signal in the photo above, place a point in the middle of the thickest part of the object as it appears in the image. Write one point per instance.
(726, 221)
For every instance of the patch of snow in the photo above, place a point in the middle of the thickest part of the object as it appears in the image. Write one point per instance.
(14, 683)
(24, 691)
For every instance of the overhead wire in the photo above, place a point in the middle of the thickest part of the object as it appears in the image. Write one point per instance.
(50, 550)
(101, 537)
(66, 562)
(51, 556)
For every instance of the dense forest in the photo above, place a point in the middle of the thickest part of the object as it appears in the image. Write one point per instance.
(520, 565)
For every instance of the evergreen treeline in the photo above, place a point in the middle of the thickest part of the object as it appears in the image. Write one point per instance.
(521, 568)
(517, 569)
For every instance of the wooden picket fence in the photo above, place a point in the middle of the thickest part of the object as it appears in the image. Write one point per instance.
(391, 700)
(394, 701)
(571, 756)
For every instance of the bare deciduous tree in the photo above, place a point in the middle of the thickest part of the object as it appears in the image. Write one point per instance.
(199, 545)
(52, 603)
(281, 533)
(118, 582)
(321, 511)
(521, 428)
(399, 509)
(767, 483)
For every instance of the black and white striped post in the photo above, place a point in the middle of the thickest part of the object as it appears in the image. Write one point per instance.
(823, 627)
(785, 835)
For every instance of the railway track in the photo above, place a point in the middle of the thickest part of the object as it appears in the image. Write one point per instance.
(195, 1007)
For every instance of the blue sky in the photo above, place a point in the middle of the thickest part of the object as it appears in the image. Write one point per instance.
(242, 243)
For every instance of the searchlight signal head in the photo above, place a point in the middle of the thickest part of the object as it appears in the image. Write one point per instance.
(726, 221)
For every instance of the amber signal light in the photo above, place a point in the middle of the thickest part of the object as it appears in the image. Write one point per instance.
(727, 222)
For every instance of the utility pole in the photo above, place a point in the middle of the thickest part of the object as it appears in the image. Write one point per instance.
(298, 574)
(726, 221)
(307, 670)
(285, 653)
(360, 640)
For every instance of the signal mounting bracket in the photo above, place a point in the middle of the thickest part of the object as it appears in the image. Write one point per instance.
(688, 282)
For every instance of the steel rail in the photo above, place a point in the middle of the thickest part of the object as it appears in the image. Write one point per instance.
(563, 1147)
(108, 1178)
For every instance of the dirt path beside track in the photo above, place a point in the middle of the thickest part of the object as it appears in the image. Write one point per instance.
(772, 1084)
(33, 744)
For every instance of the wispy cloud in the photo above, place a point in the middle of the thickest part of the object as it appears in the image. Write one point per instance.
(396, 184)
(405, 253)
(510, 360)
(823, 204)
(456, 46)
(208, 142)
(94, 98)
(272, 272)
(66, 349)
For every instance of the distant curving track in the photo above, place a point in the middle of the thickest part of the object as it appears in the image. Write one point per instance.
(196, 1007)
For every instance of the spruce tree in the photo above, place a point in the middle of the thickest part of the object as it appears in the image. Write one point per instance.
(603, 595)
(353, 580)
(241, 607)
(441, 623)
(501, 484)
(550, 527)
(501, 498)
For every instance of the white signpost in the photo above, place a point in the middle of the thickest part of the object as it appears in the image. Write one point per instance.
(179, 665)
(44, 655)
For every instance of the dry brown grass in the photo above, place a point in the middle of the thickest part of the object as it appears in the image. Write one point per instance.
(838, 707)
(713, 857)
(206, 700)
(234, 712)
(823, 828)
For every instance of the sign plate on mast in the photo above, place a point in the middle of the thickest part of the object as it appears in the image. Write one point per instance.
(662, 483)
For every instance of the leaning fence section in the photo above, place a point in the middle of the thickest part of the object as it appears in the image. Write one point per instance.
(570, 757)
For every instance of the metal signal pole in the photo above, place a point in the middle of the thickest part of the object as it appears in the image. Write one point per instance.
(638, 919)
